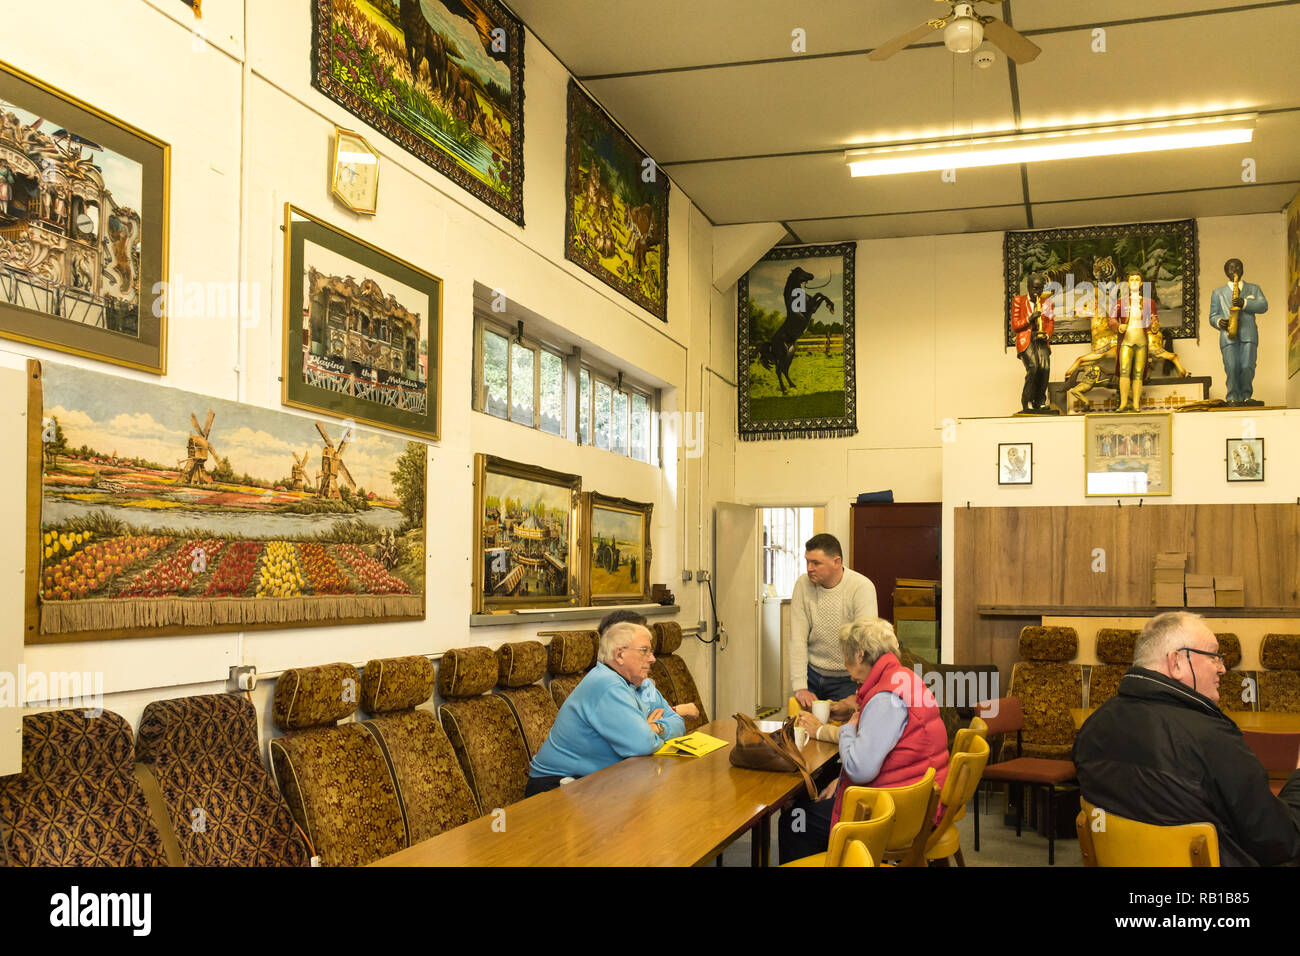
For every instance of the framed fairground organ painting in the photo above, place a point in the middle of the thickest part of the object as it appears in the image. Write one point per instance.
(525, 537)
(362, 330)
(616, 553)
(83, 227)
(1128, 455)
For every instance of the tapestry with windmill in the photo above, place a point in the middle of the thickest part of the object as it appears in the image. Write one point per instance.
(160, 511)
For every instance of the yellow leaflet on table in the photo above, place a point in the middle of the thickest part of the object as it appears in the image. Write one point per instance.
(692, 745)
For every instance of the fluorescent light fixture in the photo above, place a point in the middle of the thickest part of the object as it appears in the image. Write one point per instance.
(1055, 144)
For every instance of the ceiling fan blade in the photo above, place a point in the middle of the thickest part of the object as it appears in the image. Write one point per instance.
(1010, 42)
(886, 50)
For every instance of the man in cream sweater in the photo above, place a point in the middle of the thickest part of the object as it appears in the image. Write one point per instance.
(824, 600)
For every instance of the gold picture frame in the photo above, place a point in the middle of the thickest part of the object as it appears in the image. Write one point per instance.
(526, 541)
(1128, 456)
(401, 386)
(616, 551)
(85, 203)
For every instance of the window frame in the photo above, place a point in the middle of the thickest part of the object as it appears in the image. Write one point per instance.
(479, 385)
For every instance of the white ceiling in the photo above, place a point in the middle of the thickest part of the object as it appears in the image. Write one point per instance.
(754, 132)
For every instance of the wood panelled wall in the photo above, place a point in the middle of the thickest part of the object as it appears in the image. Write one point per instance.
(1033, 556)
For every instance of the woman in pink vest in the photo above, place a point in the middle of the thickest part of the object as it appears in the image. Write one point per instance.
(891, 740)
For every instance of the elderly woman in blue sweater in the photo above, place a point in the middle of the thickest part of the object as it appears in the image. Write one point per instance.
(615, 712)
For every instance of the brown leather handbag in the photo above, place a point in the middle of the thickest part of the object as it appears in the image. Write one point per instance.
(758, 750)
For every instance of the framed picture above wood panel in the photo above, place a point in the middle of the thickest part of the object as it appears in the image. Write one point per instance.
(1128, 455)
(525, 536)
(616, 553)
(1085, 270)
(444, 79)
(615, 207)
(1015, 463)
(83, 227)
(362, 330)
(1245, 459)
(157, 511)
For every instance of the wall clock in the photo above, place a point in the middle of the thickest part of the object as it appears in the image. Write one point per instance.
(354, 176)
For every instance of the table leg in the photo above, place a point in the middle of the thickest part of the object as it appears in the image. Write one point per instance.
(760, 843)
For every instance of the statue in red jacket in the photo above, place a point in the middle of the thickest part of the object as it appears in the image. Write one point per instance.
(1032, 318)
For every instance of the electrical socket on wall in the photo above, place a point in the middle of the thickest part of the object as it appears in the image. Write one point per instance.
(701, 576)
(686, 576)
(243, 677)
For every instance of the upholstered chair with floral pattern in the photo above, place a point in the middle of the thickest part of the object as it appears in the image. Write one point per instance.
(431, 788)
(1115, 653)
(570, 655)
(1047, 687)
(224, 808)
(667, 637)
(333, 776)
(1279, 686)
(77, 801)
(519, 669)
(1238, 690)
(481, 727)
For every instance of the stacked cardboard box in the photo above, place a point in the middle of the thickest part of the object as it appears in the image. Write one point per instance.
(1229, 591)
(1200, 590)
(1168, 579)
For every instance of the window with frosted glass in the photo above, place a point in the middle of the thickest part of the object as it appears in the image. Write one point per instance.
(496, 374)
(584, 407)
(640, 427)
(602, 415)
(521, 384)
(619, 429)
(551, 393)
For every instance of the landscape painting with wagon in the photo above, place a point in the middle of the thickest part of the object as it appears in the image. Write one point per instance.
(444, 78)
(616, 207)
(160, 510)
(618, 550)
(795, 339)
(526, 519)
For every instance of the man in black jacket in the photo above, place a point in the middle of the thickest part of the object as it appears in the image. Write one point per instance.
(1162, 752)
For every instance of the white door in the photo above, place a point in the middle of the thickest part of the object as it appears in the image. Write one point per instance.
(735, 581)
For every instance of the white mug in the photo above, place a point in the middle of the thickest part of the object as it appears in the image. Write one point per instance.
(822, 710)
(801, 737)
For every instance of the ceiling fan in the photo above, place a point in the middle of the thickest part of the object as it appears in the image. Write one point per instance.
(963, 31)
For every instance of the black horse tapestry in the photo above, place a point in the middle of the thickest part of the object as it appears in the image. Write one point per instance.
(795, 360)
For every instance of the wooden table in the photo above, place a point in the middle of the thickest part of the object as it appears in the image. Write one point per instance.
(643, 811)
(1268, 723)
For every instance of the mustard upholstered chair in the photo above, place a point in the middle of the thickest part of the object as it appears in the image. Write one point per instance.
(1115, 652)
(431, 787)
(1107, 839)
(1279, 686)
(569, 656)
(1233, 685)
(667, 637)
(857, 854)
(520, 667)
(964, 773)
(871, 824)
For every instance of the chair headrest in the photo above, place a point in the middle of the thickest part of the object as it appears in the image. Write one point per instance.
(467, 672)
(667, 636)
(1280, 652)
(520, 664)
(1230, 648)
(315, 696)
(1054, 643)
(166, 727)
(56, 739)
(396, 683)
(571, 652)
(1115, 644)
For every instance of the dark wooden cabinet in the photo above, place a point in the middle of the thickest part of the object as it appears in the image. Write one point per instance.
(891, 540)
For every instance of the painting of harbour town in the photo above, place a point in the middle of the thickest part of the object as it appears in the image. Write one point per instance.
(163, 510)
(526, 527)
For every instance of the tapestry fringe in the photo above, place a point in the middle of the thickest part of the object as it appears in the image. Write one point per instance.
(63, 617)
(845, 432)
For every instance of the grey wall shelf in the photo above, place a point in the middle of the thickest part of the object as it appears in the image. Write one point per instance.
(568, 614)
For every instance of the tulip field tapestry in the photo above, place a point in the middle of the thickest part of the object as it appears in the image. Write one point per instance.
(159, 511)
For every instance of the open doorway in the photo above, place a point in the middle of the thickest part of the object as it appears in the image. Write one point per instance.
(784, 531)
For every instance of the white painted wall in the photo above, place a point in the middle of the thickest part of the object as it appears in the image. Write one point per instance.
(246, 80)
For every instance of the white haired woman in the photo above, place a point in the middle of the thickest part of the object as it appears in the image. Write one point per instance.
(892, 739)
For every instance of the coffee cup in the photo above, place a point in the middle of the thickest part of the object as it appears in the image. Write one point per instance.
(801, 737)
(822, 710)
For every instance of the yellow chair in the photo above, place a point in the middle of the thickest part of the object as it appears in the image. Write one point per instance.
(857, 854)
(961, 744)
(869, 822)
(1107, 839)
(964, 773)
(914, 805)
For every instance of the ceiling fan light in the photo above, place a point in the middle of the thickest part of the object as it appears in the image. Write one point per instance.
(963, 35)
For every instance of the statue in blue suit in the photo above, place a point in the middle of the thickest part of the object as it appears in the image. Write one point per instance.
(1233, 308)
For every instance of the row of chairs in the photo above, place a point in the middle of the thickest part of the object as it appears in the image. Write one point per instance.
(191, 788)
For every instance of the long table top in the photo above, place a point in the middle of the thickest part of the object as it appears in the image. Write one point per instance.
(642, 811)
(1264, 722)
